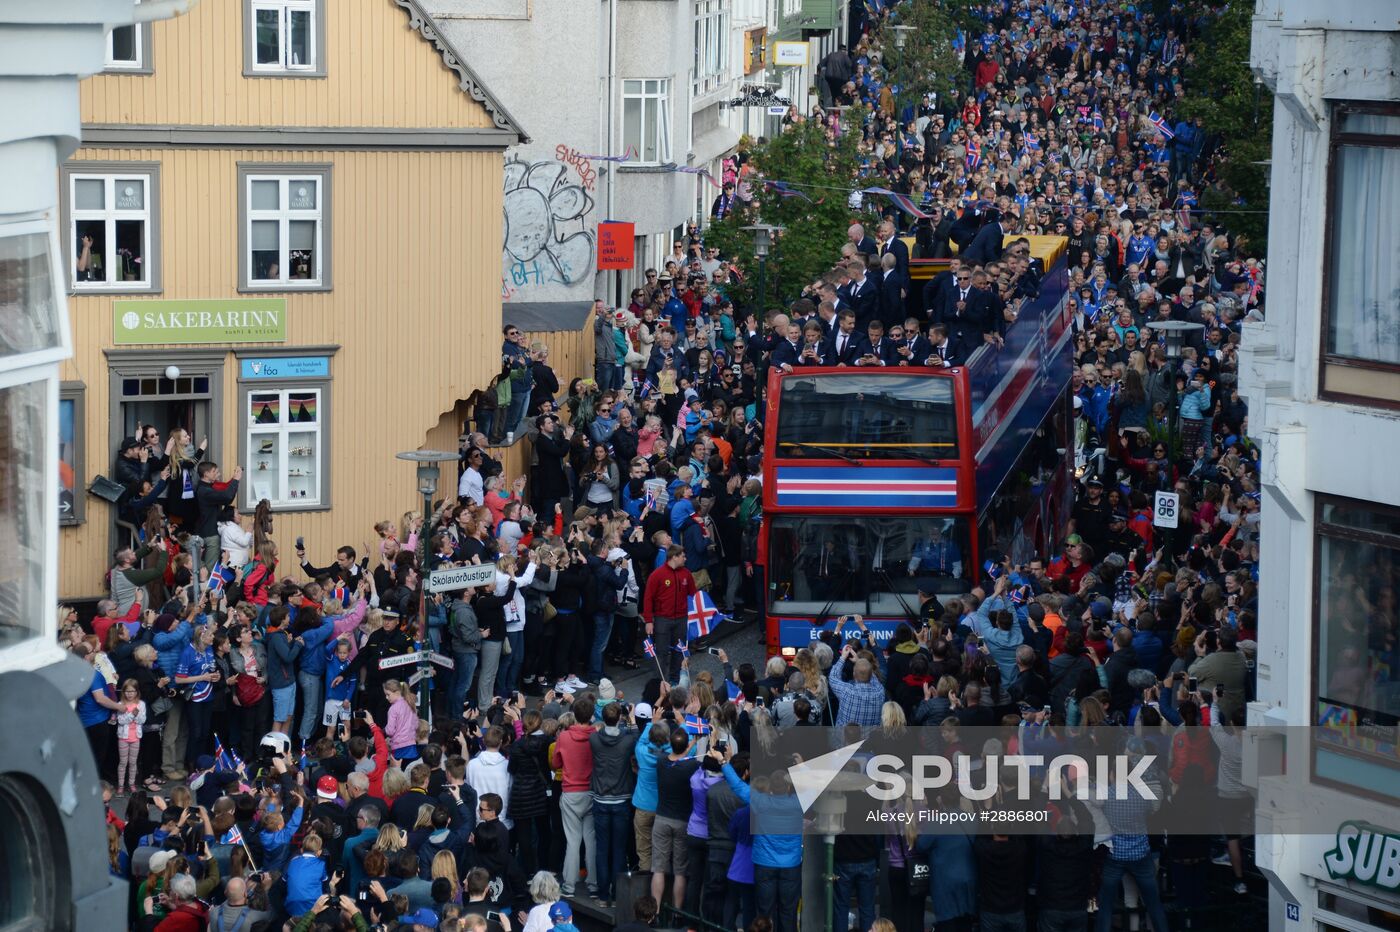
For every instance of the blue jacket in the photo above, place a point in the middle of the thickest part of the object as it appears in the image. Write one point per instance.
(1195, 402)
(334, 668)
(354, 868)
(170, 645)
(773, 849)
(281, 660)
(1001, 645)
(313, 653)
(647, 754)
(305, 874)
(696, 544)
(277, 846)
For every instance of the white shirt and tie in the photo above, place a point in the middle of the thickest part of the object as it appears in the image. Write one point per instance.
(842, 339)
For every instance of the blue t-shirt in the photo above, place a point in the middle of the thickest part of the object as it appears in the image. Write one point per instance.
(89, 711)
(197, 663)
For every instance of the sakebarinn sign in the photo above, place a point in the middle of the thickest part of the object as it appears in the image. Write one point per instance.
(1366, 854)
(217, 320)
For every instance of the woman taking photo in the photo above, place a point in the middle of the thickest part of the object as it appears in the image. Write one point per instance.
(598, 479)
(184, 459)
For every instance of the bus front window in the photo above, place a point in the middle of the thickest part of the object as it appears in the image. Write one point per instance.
(827, 565)
(867, 417)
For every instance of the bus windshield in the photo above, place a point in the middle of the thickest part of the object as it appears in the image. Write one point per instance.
(836, 564)
(867, 417)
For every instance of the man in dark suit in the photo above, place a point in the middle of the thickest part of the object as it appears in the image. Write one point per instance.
(964, 229)
(931, 235)
(910, 346)
(864, 244)
(875, 350)
(844, 339)
(986, 245)
(939, 287)
(815, 351)
(887, 243)
(964, 313)
(862, 294)
(891, 292)
(942, 353)
(786, 352)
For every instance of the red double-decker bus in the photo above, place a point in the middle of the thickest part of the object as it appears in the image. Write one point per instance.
(883, 482)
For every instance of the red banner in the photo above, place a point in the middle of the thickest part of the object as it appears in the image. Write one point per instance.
(616, 246)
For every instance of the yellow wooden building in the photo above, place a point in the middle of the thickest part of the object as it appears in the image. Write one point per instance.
(283, 232)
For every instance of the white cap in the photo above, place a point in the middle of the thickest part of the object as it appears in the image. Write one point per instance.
(642, 710)
(159, 860)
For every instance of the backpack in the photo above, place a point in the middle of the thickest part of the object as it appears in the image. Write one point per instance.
(241, 590)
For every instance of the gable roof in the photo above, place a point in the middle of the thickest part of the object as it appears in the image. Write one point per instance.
(452, 59)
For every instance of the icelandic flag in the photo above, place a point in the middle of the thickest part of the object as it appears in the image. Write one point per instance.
(974, 153)
(703, 616)
(340, 593)
(222, 576)
(1032, 143)
(683, 648)
(696, 725)
(223, 760)
(303, 762)
(647, 388)
(232, 837)
(992, 568)
(1098, 122)
(1161, 125)
(649, 647)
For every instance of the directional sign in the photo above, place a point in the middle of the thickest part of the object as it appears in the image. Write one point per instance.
(1166, 510)
(388, 663)
(461, 577)
(416, 678)
(442, 660)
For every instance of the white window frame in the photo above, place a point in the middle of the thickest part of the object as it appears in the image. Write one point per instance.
(711, 46)
(109, 215)
(283, 430)
(284, 9)
(121, 64)
(658, 102)
(284, 216)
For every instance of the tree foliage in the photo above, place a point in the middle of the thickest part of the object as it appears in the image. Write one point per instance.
(1221, 91)
(927, 64)
(814, 224)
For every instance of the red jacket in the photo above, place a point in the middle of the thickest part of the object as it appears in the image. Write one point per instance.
(187, 917)
(574, 755)
(668, 593)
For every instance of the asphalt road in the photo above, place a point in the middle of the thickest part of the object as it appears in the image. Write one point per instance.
(742, 642)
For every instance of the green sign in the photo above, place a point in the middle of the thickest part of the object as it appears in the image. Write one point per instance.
(216, 320)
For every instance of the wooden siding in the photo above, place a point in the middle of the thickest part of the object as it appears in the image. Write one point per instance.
(415, 309)
(379, 73)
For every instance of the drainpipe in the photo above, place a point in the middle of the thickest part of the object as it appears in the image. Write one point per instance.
(612, 130)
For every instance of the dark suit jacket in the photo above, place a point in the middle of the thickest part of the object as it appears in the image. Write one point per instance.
(784, 353)
(866, 246)
(965, 330)
(885, 351)
(826, 356)
(964, 229)
(891, 299)
(901, 256)
(949, 352)
(919, 348)
(849, 356)
(865, 302)
(986, 246)
(935, 293)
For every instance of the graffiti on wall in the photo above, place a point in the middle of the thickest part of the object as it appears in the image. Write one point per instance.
(581, 163)
(549, 239)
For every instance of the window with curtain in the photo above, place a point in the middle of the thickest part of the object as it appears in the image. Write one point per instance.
(646, 119)
(1363, 263)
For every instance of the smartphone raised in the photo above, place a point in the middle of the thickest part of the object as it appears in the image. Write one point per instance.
(714, 650)
(301, 543)
(1191, 685)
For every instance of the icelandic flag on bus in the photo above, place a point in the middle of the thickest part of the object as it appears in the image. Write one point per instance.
(974, 153)
(1161, 125)
(649, 647)
(703, 616)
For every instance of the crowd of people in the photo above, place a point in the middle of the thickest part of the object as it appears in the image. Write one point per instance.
(267, 769)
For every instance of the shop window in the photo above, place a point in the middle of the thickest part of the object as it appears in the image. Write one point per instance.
(285, 228)
(112, 225)
(285, 452)
(284, 38)
(72, 476)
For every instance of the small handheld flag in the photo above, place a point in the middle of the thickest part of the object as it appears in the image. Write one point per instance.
(649, 647)
(696, 725)
(974, 153)
(303, 762)
(682, 648)
(221, 577)
(232, 837)
(1161, 125)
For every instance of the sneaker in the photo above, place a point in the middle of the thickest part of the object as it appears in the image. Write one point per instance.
(1240, 888)
(575, 683)
(1221, 859)
(563, 686)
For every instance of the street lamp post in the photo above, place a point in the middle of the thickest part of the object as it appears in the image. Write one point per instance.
(428, 472)
(1175, 333)
(763, 235)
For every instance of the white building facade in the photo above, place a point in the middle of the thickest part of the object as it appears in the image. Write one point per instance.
(1322, 378)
